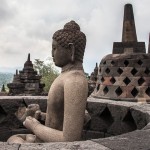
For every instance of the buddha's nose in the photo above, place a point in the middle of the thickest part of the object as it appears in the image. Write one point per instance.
(52, 53)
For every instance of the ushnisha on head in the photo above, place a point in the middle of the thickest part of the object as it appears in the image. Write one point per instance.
(69, 36)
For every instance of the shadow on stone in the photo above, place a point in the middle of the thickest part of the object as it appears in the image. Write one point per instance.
(107, 117)
(129, 121)
(3, 115)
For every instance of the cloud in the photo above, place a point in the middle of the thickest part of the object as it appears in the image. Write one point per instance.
(7, 12)
(28, 26)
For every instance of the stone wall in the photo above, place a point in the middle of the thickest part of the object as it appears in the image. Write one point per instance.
(108, 118)
(10, 110)
(111, 118)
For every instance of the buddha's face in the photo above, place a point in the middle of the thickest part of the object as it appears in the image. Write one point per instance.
(61, 56)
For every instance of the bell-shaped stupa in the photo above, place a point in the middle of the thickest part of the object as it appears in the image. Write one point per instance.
(125, 74)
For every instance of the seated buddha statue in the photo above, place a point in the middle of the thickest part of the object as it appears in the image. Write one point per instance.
(67, 96)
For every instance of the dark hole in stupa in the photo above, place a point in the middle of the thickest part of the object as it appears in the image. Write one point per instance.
(148, 91)
(140, 62)
(147, 71)
(112, 80)
(118, 91)
(106, 90)
(107, 70)
(112, 62)
(134, 92)
(120, 71)
(102, 79)
(126, 62)
(126, 80)
(134, 71)
(141, 81)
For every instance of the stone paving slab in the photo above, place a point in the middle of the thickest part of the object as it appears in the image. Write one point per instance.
(136, 140)
(5, 146)
(23, 97)
(86, 145)
(106, 101)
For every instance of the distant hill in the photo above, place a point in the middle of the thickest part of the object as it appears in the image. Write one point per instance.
(5, 78)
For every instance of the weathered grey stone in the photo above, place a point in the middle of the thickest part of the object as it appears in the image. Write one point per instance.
(118, 112)
(119, 127)
(101, 124)
(123, 115)
(144, 109)
(95, 109)
(93, 135)
(147, 127)
(108, 135)
(137, 140)
(106, 101)
(5, 133)
(139, 118)
(88, 145)
(138, 108)
(9, 106)
(6, 146)
(89, 134)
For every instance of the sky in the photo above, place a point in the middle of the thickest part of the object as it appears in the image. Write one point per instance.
(27, 26)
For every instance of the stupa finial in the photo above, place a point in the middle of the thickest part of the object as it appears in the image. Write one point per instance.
(96, 65)
(16, 71)
(3, 88)
(129, 30)
(29, 57)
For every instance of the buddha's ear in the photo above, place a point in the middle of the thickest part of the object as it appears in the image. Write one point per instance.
(72, 48)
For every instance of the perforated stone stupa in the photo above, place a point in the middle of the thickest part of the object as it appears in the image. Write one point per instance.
(125, 74)
(26, 82)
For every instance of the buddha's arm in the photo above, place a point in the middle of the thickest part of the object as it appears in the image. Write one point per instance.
(46, 134)
(76, 91)
(75, 95)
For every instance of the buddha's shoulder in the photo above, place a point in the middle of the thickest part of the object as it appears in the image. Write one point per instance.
(75, 75)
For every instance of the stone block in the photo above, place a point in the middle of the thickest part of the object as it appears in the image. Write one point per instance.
(41, 100)
(89, 145)
(88, 135)
(6, 146)
(147, 127)
(99, 124)
(95, 109)
(5, 133)
(139, 116)
(137, 140)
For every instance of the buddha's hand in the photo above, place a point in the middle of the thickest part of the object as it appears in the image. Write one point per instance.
(31, 109)
(38, 115)
(41, 116)
(31, 123)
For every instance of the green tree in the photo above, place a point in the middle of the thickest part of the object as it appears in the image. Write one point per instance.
(87, 75)
(47, 70)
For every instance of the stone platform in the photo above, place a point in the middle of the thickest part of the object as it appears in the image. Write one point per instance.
(114, 125)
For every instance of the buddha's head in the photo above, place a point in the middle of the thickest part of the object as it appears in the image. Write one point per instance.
(68, 44)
